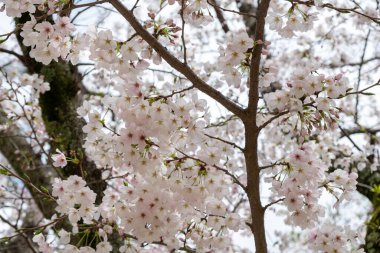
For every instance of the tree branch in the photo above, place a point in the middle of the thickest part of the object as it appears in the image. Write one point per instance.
(20, 57)
(341, 10)
(225, 141)
(273, 203)
(219, 15)
(349, 138)
(257, 225)
(175, 63)
(28, 166)
(253, 95)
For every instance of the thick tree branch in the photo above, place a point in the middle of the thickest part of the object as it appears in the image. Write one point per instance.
(175, 63)
(256, 57)
(27, 165)
(251, 135)
(219, 15)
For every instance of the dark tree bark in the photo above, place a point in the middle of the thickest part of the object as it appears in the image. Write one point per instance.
(58, 108)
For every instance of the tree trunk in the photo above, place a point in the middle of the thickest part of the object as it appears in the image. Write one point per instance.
(253, 187)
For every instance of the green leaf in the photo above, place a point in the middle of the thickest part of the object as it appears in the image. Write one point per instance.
(344, 11)
(202, 172)
(44, 189)
(27, 177)
(151, 100)
(75, 161)
(4, 172)
(39, 231)
(376, 189)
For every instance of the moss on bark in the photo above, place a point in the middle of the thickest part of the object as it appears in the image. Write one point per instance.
(58, 108)
(372, 239)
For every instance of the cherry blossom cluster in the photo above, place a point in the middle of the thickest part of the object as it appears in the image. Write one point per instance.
(105, 50)
(195, 11)
(43, 246)
(234, 58)
(16, 8)
(75, 199)
(310, 99)
(48, 41)
(304, 88)
(64, 240)
(334, 238)
(109, 53)
(160, 29)
(128, 57)
(287, 21)
(25, 83)
(140, 210)
(301, 182)
(191, 192)
(344, 184)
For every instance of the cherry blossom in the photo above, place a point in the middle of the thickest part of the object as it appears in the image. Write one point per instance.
(59, 159)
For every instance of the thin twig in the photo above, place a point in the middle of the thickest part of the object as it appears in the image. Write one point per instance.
(183, 33)
(135, 5)
(235, 179)
(273, 165)
(233, 11)
(349, 137)
(75, 6)
(227, 142)
(272, 203)
(341, 10)
(356, 116)
(175, 63)
(20, 57)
